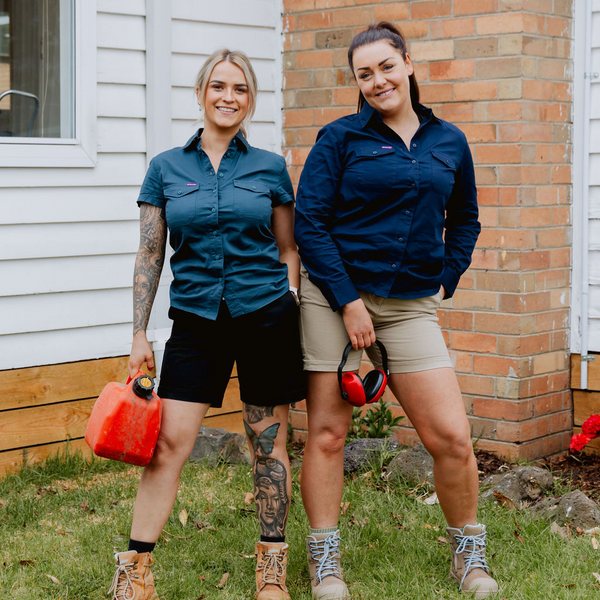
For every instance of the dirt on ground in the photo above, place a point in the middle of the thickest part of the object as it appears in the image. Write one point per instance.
(583, 470)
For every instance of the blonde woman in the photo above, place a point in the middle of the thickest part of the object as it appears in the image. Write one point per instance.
(228, 208)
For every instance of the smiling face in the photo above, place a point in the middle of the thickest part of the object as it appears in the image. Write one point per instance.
(382, 74)
(227, 98)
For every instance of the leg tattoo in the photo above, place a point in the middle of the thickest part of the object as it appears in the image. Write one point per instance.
(254, 414)
(270, 494)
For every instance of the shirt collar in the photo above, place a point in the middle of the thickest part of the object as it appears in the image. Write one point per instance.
(238, 139)
(368, 112)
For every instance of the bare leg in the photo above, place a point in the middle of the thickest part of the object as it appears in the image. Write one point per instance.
(433, 402)
(329, 418)
(160, 479)
(266, 427)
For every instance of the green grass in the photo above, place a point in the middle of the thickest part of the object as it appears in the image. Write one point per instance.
(66, 519)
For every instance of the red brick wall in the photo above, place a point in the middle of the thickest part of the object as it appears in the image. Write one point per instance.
(500, 70)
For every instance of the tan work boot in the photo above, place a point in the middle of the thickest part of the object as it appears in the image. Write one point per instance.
(271, 569)
(469, 567)
(133, 579)
(326, 577)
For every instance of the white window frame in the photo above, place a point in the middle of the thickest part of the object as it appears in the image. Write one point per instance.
(81, 150)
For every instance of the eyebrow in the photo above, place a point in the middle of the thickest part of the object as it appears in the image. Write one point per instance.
(383, 61)
(223, 83)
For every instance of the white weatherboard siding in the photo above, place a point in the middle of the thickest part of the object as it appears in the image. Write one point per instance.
(68, 236)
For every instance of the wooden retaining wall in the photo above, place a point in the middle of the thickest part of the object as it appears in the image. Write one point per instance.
(44, 408)
(586, 402)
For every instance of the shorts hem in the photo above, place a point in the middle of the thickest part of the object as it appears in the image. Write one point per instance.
(429, 365)
(172, 393)
(286, 399)
(325, 366)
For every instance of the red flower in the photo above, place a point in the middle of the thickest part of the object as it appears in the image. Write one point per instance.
(591, 426)
(579, 441)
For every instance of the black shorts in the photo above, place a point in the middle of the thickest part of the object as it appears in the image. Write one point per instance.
(265, 345)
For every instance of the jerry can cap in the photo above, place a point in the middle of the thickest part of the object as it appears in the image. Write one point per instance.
(143, 386)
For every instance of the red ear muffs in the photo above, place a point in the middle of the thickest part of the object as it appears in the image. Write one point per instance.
(357, 391)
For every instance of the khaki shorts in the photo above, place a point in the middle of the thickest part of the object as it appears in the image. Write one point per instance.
(408, 329)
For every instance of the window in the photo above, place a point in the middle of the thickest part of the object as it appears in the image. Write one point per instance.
(47, 83)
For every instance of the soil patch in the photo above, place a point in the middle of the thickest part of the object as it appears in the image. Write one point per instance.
(583, 471)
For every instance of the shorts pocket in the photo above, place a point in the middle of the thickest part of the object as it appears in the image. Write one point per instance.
(180, 207)
(252, 200)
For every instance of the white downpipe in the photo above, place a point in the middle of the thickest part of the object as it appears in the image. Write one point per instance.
(585, 198)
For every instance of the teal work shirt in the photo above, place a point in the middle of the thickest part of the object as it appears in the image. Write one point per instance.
(220, 225)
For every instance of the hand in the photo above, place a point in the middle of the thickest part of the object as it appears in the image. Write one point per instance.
(443, 290)
(358, 324)
(141, 352)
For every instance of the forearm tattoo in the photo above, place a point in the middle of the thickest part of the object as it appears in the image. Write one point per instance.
(148, 264)
(270, 479)
(254, 414)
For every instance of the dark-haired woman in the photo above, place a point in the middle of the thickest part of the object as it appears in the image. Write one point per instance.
(386, 222)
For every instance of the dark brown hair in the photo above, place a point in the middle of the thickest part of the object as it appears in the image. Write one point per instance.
(384, 30)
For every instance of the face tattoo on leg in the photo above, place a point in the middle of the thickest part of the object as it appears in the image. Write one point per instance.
(270, 482)
(254, 414)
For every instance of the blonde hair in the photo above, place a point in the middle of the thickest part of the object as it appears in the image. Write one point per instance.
(239, 59)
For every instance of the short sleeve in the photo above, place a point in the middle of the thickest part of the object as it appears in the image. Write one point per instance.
(285, 191)
(152, 190)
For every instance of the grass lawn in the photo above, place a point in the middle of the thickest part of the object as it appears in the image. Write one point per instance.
(61, 522)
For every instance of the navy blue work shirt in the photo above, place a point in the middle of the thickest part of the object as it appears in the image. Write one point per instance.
(373, 216)
(220, 225)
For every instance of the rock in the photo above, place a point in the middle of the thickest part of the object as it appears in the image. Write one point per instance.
(215, 445)
(414, 464)
(359, 453)
(579, 510)
(520, 483)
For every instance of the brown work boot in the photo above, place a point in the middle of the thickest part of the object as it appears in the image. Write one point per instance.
(133, 579)
(271, 569)
(326, 577)
(469, 567)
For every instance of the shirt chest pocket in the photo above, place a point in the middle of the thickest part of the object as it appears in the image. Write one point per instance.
(180, 207)
(375, 166)
(251, 200)
(443, 173)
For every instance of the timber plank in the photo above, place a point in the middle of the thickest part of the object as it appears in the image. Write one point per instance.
(584, 405)
(44, 424)
(35, 386)
(12, 459)
(233, 422)
(593, 372)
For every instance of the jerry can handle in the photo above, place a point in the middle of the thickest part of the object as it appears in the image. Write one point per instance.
(129, 379)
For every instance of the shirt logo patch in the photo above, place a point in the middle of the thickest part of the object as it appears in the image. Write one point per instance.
(383, 147)
(191, 184)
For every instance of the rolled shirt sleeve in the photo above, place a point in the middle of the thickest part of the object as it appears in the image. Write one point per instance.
(152, 190)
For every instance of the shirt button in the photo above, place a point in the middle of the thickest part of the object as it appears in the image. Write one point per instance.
(213, 209)
(414, 145)
(220, 279)
(413, 185)
(215, 191)
(374, 151)
(406, 212)
(220, 174)
(179, 192)
(414, 161)
(253, 187)
(400, 239)
(394, 266)
(212, 172)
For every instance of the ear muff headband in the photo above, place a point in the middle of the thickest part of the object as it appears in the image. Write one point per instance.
(356, 391)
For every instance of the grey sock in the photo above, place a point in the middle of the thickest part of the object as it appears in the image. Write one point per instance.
(323, 530)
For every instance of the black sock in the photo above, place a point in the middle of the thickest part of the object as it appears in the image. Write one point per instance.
(272, 540)
(141, 547)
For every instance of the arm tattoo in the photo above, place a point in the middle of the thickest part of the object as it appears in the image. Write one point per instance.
(254, 414)
(270, 477)
(148, 264)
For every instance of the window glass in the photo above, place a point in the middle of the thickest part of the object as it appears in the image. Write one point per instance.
(36, 68)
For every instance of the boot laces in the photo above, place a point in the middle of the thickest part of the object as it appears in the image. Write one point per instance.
(325, 553)
(273, 569)
(472, 547)
(122, 585)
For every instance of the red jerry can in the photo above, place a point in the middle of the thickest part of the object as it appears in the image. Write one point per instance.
(125, 421)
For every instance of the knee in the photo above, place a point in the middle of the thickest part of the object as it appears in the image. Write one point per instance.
(454, 447)
(170, 453)
(330, 441)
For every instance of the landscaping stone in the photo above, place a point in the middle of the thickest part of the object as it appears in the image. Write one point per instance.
(414, 464)
(214, 445)
(359, 453)
(520, 483)
(574, 507)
